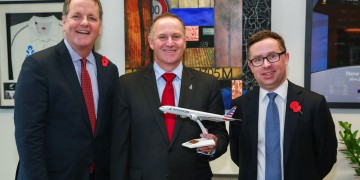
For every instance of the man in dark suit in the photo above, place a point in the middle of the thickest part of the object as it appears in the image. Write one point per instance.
(54, 134)
(307, 141)
(141, 147)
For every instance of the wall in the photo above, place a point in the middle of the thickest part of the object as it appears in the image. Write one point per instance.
(288, 19)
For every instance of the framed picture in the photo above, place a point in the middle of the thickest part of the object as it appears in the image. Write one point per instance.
(332, 66)
(28, 1)
(28, 28)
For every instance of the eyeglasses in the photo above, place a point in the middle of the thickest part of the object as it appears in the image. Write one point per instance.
(271, 58)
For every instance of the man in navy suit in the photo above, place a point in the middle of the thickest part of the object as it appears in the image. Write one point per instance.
(141, 147)
(307, 137)
(54, 136)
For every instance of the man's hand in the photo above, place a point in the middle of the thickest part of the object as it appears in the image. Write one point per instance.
(208, 149)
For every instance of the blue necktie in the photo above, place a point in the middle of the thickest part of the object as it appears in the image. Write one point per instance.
(272, 141)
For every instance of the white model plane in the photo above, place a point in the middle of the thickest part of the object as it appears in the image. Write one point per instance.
(198, 116)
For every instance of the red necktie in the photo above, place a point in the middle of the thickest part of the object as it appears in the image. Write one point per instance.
(88, 94)
(168, 98)
(89, 99)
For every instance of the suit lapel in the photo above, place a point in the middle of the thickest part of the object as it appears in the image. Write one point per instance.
(291, 119)
(149, 87)
(67, 67)
(185, 98)
(101, 88)
(251, 124)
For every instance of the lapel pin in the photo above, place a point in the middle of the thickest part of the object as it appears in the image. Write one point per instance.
(104, 61)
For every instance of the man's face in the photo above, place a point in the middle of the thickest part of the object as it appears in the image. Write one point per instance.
(168, 42)
(269, 75)
(82, 25)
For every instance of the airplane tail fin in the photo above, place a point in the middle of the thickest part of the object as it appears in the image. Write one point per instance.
(230, 113)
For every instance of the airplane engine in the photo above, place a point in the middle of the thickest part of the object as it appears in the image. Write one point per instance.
(193, 117)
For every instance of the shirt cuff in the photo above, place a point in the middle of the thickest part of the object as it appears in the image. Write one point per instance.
(206, 154)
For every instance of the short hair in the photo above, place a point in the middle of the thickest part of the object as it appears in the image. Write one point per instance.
(165, 15)
(67, 4)
(263, 34)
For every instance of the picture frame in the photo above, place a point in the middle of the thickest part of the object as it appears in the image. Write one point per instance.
(332, 52)
(20, 37)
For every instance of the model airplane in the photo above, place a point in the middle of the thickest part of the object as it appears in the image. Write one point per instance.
(198, 116)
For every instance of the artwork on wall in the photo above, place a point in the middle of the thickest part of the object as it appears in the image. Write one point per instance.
(256, 16)
(215, 35)
(333, 55)
(23, 34)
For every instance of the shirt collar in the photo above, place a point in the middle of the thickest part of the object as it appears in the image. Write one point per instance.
(159, 71)
(281, 91)
(54, 29)
(76, 57)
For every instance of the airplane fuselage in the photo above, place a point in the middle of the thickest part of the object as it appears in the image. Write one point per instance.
(195, 115)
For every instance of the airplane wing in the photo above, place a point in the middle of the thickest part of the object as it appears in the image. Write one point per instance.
(216, 119)
(208, 118)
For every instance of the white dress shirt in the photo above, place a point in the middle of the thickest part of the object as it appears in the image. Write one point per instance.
(160, 82)
(280, 101)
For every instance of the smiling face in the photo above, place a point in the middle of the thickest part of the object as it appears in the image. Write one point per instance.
(269, 75)
(82, 25)
(167, 40)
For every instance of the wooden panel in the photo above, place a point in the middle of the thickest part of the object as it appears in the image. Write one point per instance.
(137, 22)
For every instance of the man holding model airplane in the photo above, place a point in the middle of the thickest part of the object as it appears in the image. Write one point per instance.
(142, 146)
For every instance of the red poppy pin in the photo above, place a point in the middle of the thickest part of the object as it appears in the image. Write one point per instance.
(104, 61)
(295, 106)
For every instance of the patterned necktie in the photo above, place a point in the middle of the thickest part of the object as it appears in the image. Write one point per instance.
(272, 141)
(168, 98)
(88, 94)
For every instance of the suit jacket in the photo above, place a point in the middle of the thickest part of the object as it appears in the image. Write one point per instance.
(140, 146)
(309, 147)
(52, 127)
